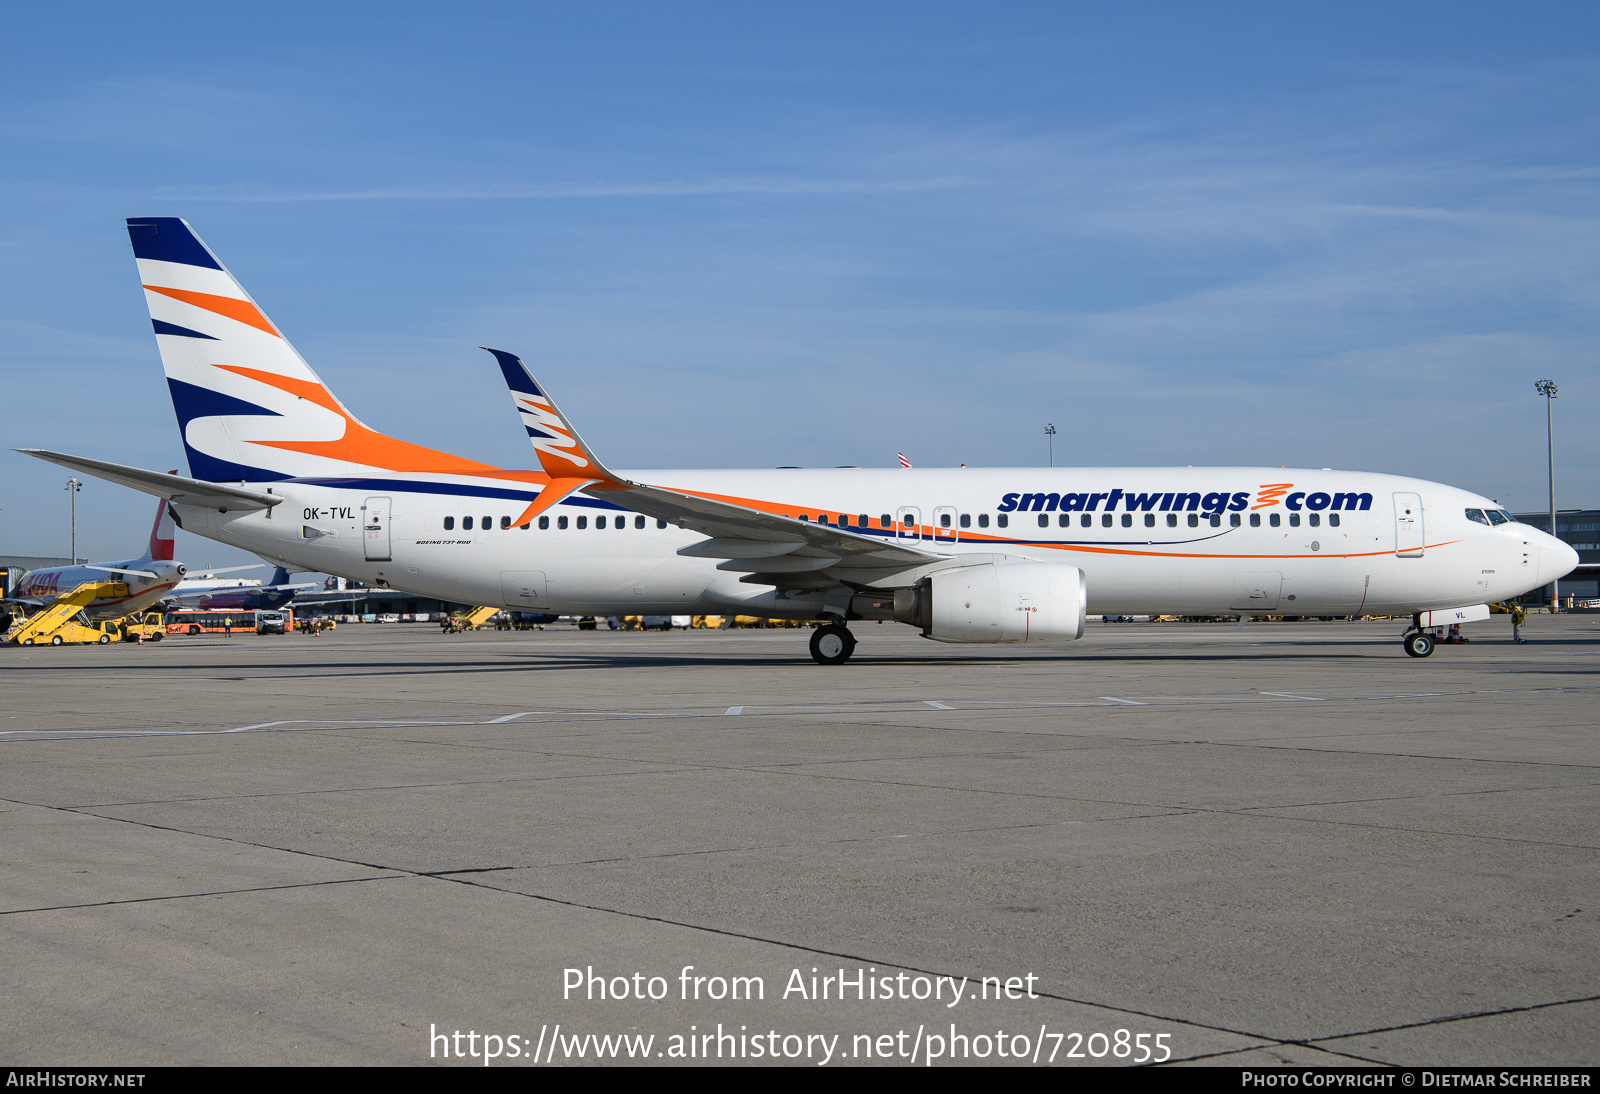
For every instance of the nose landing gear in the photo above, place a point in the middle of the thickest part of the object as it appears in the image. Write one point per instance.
(1418, 643)
(832, 645)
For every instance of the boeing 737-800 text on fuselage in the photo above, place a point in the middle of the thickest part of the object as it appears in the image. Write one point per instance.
(281, 468)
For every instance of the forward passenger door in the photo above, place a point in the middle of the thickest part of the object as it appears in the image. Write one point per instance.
(1408, 532)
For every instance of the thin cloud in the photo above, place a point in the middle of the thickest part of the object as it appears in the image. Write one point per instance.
(515, 192)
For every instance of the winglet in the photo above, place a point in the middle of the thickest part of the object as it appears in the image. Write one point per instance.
(562, 454)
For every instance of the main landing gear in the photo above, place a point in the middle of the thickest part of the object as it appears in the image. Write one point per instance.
(1418, 643)
(832, 645)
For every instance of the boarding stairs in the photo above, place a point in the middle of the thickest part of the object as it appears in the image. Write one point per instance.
(43, 625)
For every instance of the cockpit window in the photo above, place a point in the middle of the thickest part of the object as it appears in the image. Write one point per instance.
(1509, 518)
(1477, 515)
(1497, 516)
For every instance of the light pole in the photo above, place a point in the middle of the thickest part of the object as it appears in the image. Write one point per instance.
(72, 488)
(1050, 432)
(1547, 388)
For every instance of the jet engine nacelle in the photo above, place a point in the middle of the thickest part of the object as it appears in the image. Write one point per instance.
(1019, 601)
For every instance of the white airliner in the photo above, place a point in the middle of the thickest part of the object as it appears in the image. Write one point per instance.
(283, 469)
(149, 578)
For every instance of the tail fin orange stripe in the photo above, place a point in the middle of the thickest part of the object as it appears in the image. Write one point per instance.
(240, 310)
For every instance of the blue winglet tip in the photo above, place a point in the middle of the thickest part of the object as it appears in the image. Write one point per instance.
(518, 378)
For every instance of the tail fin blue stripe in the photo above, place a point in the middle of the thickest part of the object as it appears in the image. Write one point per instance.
(163, 327)
(169, 239)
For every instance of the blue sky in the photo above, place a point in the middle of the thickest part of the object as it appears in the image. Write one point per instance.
(743, 236)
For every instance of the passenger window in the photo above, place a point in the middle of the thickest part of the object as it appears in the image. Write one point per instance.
(1127, 520)
(449, 523)
(1234, 520)
(1149, 520)
(1172, 520)
(966, 520)
(1105, 520)
(1044, 520)
(944, 520)
(660, 523)
(1255, 520)
(822, 518)
(1064, 520)
(884, 521)
(863, 522)
(1002, 520)
(583, 522)
(1333, 520)
(638, 522)
(544, 524)
(1294, 520)
(561, 523)
(1316, 520)
(1194, 521)
(1275, 519)
(805, 517)
(983, 520)
(488, 523)
(505, 522)
(1086, 521)
(1216, 520)
(466, 523)
(599, 522)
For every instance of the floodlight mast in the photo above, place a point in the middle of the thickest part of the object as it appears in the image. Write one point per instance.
(1547, 388)
(72, 488)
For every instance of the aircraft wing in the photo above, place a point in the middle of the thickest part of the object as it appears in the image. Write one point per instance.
(212, 594)
(172, 487)
(771, 548)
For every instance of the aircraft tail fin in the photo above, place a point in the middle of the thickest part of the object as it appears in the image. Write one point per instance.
(163, 533)
(249, 407)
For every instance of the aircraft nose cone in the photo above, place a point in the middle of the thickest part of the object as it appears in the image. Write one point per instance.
(1557, 559)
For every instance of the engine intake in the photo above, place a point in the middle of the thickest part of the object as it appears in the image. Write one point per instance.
(1020, 601)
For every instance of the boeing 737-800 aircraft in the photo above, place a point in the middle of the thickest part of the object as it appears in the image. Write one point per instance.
(281, 468)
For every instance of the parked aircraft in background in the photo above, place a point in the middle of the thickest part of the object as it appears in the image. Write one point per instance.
(148, 578)
(246, 596)
(281, 468)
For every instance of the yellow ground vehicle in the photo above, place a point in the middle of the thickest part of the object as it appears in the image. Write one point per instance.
(72, 633)
(54, 623)
(469, 620)
(151, 626)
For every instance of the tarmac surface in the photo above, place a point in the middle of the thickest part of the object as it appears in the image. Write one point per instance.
(1282, 843)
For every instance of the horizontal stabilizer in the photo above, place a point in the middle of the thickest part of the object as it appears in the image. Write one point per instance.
(176, 488)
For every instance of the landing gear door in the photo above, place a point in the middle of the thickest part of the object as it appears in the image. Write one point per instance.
(1408, 535)
(907, 521)
(375, 518)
